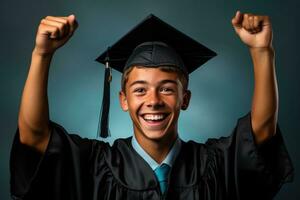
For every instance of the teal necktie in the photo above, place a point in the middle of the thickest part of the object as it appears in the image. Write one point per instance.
(162, 173)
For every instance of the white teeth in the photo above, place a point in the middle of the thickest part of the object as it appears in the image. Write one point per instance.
(153, 117)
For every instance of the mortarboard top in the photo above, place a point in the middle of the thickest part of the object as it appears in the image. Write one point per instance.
(151, 43)
(150, 29)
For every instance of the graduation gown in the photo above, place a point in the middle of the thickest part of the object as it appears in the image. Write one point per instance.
(73, 168)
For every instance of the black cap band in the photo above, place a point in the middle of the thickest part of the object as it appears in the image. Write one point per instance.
(155, 54)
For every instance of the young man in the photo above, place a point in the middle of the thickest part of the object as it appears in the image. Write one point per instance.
(252, 163)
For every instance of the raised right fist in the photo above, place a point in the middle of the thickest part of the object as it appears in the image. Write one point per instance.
(53, 32)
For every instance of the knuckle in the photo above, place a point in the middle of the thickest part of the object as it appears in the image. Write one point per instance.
(64, 20)
(43, 21)
(48, 17)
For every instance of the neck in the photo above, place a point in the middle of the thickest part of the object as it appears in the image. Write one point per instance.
(157, 149)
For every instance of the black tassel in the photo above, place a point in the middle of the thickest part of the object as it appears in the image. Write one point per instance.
(103, 126)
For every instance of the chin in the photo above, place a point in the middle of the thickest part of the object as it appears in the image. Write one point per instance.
(154, 135)
(157, 135)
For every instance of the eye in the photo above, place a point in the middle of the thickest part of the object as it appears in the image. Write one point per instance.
(139, 91)
(167, 90)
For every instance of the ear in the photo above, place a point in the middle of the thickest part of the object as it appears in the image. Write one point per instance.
(123, 101)
(186, 99)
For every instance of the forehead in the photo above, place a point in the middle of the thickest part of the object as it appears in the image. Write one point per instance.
(151, 74)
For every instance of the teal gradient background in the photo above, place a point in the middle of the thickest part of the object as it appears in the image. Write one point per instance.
(221, 89)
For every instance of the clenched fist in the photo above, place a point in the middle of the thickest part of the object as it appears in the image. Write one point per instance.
(254, 30)
(53, 32)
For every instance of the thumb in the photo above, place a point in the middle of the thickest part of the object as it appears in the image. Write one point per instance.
(71, 18)
(72, 22)
(237, 21)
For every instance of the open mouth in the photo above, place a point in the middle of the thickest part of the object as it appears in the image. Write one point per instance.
(155, 119)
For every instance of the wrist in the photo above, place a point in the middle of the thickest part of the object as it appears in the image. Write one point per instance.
(262, 50)
(262, 58)
(41, 59)
(42, 54)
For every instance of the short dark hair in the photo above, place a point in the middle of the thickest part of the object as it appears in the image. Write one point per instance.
(183, 77)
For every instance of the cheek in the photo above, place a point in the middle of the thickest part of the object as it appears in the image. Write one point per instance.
(179, 99)
(134, 104)
(173, 102)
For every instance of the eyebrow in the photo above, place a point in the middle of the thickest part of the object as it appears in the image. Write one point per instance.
(168, 81)
(138, 82)
(161, 82)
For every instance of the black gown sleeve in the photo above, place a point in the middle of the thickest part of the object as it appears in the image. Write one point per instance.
(251, 171)
(60, 173)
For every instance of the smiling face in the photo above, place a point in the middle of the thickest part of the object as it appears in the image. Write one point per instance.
(154, 99)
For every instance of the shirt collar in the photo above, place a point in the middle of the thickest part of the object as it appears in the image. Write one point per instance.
(169, 160)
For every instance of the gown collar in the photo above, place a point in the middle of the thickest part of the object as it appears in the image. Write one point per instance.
(132, 171)
(169, 159)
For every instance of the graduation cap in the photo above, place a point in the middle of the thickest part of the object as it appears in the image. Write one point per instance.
(151, 43)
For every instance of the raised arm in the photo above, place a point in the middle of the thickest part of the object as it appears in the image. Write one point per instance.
(33, 120)
(256, 32)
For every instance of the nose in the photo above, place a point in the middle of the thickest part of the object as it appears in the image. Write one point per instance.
(154, 100)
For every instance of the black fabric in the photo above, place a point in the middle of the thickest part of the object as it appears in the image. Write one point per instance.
(227, 168)
(151, 29)
(103, 126)
(155, 54)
